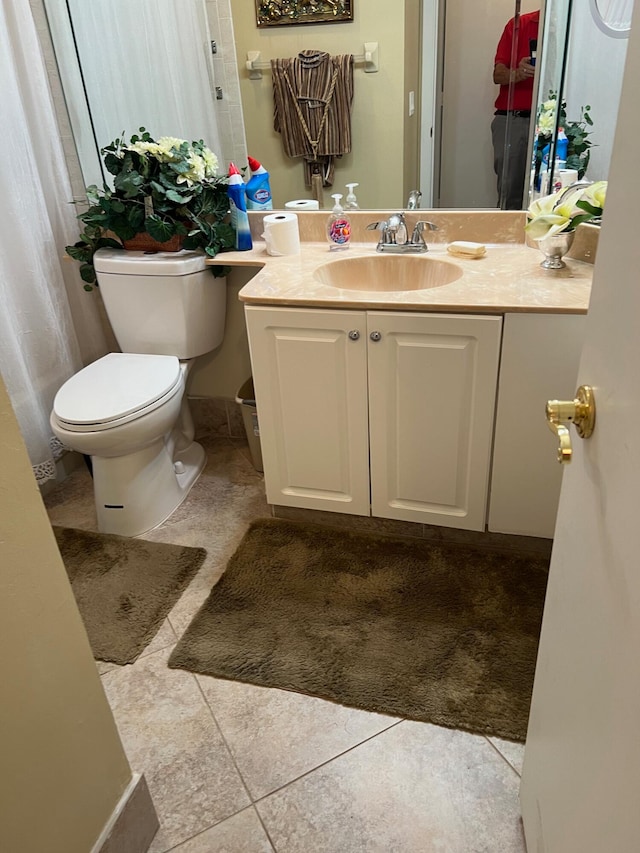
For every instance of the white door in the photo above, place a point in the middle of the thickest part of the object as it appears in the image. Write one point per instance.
(581, 778)
(310, 374)
(432, 390)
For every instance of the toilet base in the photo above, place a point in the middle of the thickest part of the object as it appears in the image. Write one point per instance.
(137, 492)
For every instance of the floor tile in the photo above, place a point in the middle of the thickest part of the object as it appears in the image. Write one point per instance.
(511, 752)
(169, 734)
(411, 789)
(327, 779)
(242, 833)
(276, 736)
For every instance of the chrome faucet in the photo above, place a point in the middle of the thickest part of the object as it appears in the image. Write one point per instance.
(395, 235)
(414, 200)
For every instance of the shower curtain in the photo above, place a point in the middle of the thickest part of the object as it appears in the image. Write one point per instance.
(49, 326)
(153, 68)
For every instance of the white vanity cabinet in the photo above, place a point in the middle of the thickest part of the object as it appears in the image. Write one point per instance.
(540, 360)
(376, 412)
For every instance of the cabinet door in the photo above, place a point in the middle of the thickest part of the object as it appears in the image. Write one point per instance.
(311, 397)
(540, 357)
(432, 385)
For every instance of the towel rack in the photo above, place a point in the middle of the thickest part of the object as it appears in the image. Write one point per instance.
(369, 58)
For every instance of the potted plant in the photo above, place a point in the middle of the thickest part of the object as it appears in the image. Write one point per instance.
(165, 191)
(553, 219)
(577, 133)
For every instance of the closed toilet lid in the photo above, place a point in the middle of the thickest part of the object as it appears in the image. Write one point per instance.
(117, 386)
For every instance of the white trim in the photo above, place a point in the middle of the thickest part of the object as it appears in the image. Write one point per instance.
(429, 52)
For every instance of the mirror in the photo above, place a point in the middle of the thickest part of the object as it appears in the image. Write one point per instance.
(579, 86)
(417, 52)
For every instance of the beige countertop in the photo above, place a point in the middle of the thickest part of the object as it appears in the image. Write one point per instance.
(507, 279)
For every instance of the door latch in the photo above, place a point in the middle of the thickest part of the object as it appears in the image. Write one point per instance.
(581, 412)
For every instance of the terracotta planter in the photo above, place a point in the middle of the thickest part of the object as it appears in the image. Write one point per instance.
(143, 242)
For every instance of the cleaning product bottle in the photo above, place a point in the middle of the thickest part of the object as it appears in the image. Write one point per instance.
(351, 202)
(562, 146)
(257, 187)
(237, 203)
(338, 226)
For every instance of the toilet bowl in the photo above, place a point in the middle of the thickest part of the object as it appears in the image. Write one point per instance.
(128, 411)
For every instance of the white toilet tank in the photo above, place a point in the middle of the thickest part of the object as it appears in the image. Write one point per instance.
(167, 303)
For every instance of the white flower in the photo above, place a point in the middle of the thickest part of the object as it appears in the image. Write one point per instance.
(595, 194)
(547, 119)
(562, 212)
(196, 172)
(210, 162)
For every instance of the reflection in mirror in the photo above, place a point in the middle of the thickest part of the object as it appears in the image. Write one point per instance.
(613, 17)
(450, 65)
(582, 67)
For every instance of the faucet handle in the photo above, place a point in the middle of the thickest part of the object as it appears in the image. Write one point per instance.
(416, 238)
(377, 226)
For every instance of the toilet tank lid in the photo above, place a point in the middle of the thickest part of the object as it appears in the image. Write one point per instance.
(116, 385)
(121, 262)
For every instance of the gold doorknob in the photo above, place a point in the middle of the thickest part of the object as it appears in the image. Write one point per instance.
(581, 412)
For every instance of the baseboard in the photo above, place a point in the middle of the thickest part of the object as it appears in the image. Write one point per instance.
(133, 823)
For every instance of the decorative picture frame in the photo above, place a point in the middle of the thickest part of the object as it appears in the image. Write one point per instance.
(280, 13)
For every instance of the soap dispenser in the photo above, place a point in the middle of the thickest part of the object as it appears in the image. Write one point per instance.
(338, 226)
(351, 202)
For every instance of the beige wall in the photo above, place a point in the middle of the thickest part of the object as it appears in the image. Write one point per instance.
(63, 766)
(378, 106)
(222, 372)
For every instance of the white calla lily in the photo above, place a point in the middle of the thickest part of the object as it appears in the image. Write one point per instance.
(595, 194)
(562, 211)
(546, 225)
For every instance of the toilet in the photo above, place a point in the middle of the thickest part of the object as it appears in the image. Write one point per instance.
(128, 410)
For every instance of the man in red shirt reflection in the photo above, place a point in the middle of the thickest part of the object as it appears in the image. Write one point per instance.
(513, 71)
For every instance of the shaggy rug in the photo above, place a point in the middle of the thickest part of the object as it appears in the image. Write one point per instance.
(444, 635)
(124, 588)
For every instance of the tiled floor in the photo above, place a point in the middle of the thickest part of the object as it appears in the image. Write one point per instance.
(244, 769)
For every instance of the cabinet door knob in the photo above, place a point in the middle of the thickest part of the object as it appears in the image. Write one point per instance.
(581, 412)
(375, 336)
(354, 334)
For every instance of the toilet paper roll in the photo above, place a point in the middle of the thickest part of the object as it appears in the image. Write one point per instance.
(302, 204)
(567, 176)
(281, 234)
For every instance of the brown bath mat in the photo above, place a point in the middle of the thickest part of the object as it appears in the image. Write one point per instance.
(445, 635)
(124, 587)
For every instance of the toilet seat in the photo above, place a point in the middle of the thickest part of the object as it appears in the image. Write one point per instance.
(116, 389)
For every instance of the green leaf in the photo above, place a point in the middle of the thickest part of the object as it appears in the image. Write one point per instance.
(220, 271)
(175, 196)
(584, 217)
(584, 205)
(129, 183)
(79, 252)
(159, 229)
(87, 273)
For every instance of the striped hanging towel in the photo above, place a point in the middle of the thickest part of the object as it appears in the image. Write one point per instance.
(313, 93)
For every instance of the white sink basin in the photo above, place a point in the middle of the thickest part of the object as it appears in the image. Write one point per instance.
(387, 272)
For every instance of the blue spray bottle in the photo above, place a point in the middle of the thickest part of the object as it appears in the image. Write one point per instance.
(257, 187)
(237, 203)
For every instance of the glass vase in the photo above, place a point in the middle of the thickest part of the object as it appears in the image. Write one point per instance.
(554, 248)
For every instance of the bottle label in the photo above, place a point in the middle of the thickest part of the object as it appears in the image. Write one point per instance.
(262, 196)
(340, 231)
